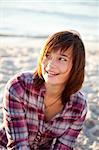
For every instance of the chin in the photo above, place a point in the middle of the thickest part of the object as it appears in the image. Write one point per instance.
(53, 82)
(50, 81)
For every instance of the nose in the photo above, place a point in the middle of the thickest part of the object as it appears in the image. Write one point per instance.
(51, 64)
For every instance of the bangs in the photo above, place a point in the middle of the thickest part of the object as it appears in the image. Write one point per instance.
(59, 43)
(58, 46)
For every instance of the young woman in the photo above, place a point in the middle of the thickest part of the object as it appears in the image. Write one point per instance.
(45, 109)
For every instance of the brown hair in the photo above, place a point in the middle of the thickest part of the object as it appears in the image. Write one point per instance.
(65, 40)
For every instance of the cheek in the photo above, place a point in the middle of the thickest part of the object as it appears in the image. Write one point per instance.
(43, 66)
(66, 68)
(44, 62)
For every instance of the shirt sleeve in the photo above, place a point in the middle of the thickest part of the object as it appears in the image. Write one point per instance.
(14, 116)
(67, 140)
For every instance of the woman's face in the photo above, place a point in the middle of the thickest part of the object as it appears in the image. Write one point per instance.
(56, 66)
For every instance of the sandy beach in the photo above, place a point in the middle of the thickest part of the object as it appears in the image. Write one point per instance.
(20, 54)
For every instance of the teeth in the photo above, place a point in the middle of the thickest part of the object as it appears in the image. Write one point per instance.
(51, 73)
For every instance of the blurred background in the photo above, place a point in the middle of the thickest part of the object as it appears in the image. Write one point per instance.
(24, 27)
(39, 18)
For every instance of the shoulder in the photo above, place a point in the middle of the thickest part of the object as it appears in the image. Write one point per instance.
(25, 77)
(19, 82)
(78, 103)
(78, 99)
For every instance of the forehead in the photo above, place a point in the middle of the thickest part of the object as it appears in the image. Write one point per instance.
(61, 51)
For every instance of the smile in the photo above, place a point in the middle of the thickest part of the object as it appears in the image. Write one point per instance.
(51, 73)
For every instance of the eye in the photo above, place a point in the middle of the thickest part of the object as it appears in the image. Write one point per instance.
(62, 59)
(47, 54)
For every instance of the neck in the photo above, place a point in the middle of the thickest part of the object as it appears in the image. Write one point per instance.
(54, 91)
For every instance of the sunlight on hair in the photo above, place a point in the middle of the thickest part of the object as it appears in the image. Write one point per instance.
(75, 33)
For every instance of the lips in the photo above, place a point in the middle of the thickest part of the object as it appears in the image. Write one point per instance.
(50, 73)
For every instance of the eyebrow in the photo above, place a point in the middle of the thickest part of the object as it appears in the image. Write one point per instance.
(64, 55)
(61, 54)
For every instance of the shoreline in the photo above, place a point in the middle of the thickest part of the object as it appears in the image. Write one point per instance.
(28, 41)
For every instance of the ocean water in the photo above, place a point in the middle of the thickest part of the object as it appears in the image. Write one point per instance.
(38, 18)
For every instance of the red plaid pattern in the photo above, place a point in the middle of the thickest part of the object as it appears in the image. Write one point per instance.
(24, 126)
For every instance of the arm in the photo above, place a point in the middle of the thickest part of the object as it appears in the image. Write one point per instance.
(67, 140)
(14, 117)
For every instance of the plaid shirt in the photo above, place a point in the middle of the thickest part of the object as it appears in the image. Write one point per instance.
(24, 125)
